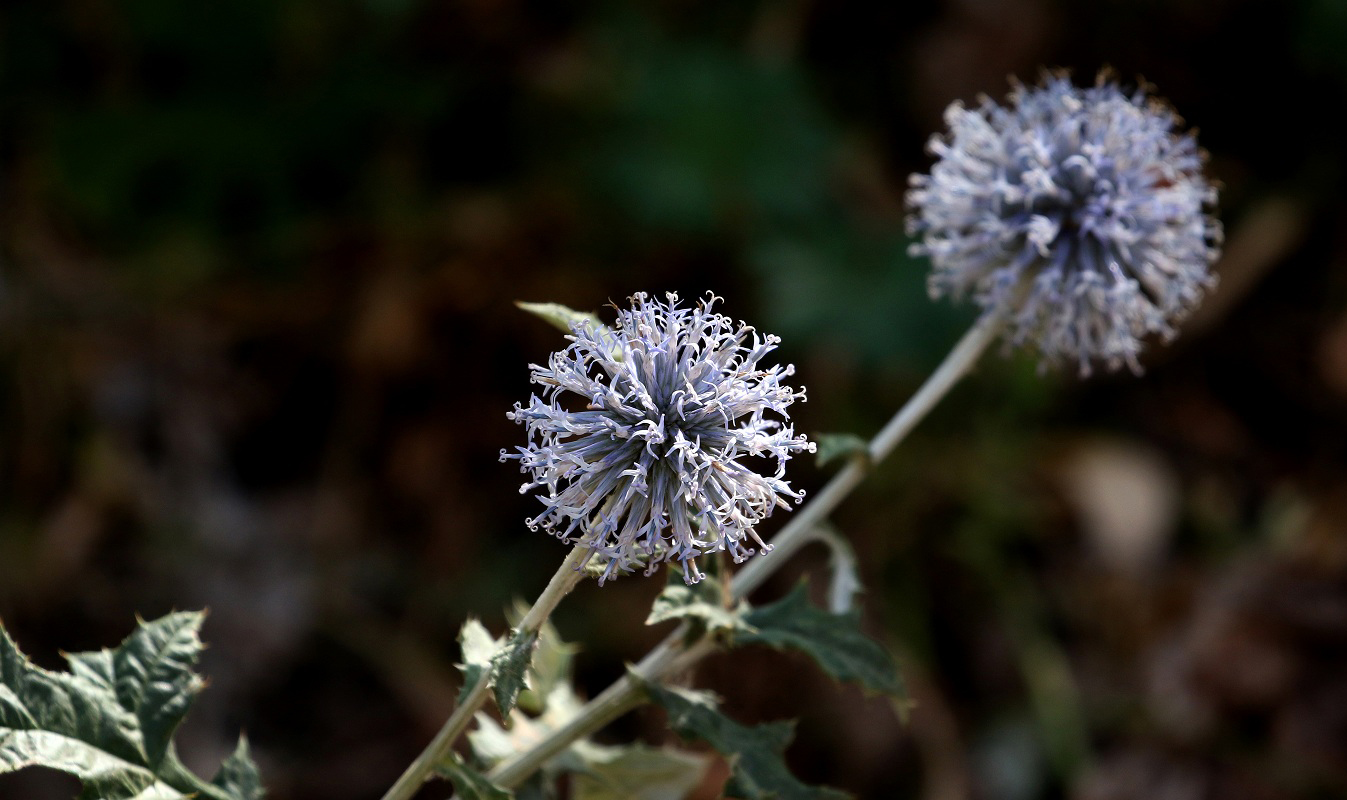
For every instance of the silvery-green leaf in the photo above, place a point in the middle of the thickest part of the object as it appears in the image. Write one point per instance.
(560, 316)
(701, 603)
(478, 647)
(110, 720)
(491, 743)
(635, 772)
(757, 768)
(835, 641)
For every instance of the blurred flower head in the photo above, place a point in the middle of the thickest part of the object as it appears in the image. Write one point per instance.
(639, 440)
(1080, 214)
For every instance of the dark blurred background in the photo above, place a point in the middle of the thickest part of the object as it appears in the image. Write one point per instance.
(257, 342)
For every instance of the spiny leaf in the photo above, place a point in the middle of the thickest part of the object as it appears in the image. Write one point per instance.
(551, 702)
(835, 641)
(701, 603)
(634, 772)
(509, 668)
(559, 316)
(478, 647)
(153, 678)
(470, 784)
(110, 720)
(836, 446)
(757, 768)
(238, 774)
(551, 665)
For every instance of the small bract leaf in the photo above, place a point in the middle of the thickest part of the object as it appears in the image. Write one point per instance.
(491, 743)
(836, 446)
(110, 720)
(845, 582)
(835, 641)
(470, 784)
(757, 768)
(509, 669)
(478, 647)
(701, 603)
(559, 316)
(635, 772)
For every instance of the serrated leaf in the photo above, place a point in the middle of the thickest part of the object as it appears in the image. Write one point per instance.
(835, 641)
(111, 719)
(757, 767)
(469, 784)
(96, 667)
(551, 702)
(701, 603)
(478, 647)
(509, 669)
(559, 316)
(551, 666)
(635, 772)
(839, 446)
(153, 677)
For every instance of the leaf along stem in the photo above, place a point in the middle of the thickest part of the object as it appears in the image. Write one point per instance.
(567, 577)
(670, 656)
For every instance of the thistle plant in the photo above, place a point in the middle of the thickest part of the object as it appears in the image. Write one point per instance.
(1078, 219)
(652, 468)
(1080, 214)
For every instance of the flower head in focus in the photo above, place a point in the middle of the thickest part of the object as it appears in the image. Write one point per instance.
(640, 437)
(1080, 214)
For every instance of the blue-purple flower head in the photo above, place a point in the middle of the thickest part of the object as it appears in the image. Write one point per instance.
(640, 440)
(1080, 214)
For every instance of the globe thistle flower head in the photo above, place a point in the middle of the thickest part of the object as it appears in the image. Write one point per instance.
(638, 442)
(1080, 214)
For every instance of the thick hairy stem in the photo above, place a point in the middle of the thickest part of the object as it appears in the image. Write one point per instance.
(566, 578)
(670, 656)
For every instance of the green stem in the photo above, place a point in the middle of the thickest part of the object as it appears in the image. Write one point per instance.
(566, 578)
(669, 656)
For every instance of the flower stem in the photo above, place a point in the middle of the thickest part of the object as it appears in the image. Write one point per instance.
(799, 530)
(566, 578)
(670, 656)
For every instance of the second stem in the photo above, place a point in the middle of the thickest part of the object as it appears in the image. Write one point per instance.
(670, 656)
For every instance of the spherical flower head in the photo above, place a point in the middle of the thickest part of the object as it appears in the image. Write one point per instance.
(639, 441)
(1082, 215)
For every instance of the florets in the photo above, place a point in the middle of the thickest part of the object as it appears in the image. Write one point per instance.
(1081, 214)
(640, 438)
